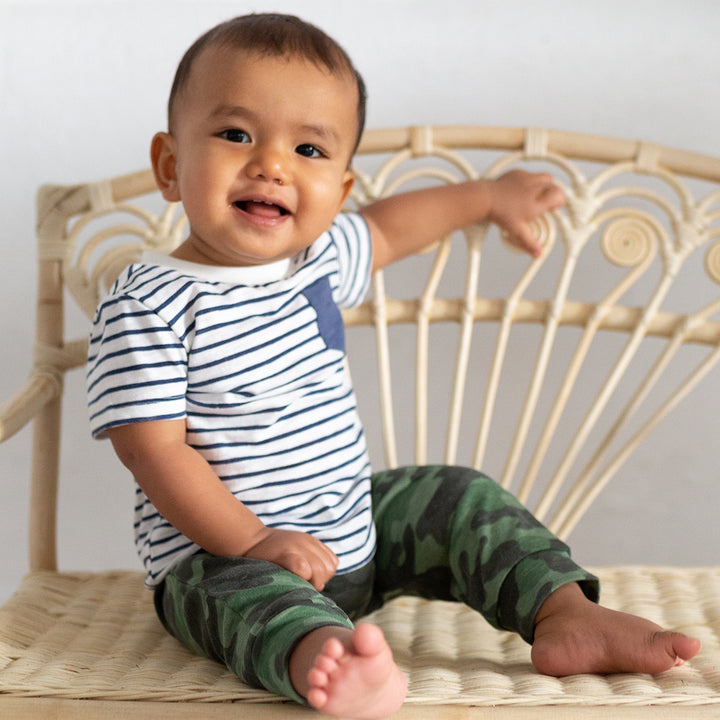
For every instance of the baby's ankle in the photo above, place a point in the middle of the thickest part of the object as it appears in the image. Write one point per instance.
(565, 599)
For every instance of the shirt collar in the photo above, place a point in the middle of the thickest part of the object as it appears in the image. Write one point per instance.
(235, 275)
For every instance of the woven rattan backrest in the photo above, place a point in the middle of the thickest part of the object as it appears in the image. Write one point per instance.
(546, 373)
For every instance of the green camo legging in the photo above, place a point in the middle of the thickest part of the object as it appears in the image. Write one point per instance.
(442, 533)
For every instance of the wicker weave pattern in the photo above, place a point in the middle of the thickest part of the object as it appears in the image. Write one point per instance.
(96, 636)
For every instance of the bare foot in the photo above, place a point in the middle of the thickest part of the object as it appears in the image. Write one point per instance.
(353, 675)
(574, 635)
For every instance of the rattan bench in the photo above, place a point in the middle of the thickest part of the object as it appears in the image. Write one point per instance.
(509, 362)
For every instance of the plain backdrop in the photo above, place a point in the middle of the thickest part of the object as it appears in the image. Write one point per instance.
(83, 87)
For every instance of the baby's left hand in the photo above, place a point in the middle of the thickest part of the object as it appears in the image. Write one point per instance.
(519, 197)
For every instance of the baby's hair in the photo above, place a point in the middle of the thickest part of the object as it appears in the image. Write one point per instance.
(277, 35)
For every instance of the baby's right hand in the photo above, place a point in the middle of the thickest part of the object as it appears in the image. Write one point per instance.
(298, 552)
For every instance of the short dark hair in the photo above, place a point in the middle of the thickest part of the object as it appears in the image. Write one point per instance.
(273, 34)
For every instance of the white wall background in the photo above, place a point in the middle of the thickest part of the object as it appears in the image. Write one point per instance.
(83, 86)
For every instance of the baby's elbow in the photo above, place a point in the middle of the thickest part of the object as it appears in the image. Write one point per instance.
(127, 451)
(136, 444)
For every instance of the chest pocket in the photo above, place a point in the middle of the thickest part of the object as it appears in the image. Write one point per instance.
(329, 319)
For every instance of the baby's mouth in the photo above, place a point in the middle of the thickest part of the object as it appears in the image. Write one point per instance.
(261, 208)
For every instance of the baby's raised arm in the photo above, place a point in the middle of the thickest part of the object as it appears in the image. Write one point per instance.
(189, 495)
(406, 223)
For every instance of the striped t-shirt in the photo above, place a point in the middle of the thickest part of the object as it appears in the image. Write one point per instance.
(253, 359)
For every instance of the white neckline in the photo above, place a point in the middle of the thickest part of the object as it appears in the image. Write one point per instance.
(236, 275)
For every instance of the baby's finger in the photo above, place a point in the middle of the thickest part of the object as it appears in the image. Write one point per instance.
(329, 558)
(321, 573)
(330, 564)
(553, 197)
(297, 564)
(523, 238)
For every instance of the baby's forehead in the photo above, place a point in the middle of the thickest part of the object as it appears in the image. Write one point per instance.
(218, 64)
(221, 64)
(220, 54)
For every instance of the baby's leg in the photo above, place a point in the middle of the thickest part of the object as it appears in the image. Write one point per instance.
(247, 614)
(452, 528)
(452, 533)
(574, 635)
(348, 673)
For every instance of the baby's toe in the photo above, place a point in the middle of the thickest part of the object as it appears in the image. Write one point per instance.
(317, 698)
(683, 647)
(333, 648)
(318, 678)
(326, 664)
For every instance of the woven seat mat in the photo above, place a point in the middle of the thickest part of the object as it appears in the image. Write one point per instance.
(96, 636)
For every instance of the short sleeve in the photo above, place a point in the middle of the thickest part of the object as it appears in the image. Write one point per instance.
(137, 367)
(351, 236)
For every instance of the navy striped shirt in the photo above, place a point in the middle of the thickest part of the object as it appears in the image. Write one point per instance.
(253, 359)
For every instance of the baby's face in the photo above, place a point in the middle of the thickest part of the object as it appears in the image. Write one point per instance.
(261, 147)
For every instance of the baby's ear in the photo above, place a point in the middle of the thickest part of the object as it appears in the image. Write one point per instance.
(347, 184)
(164, 164)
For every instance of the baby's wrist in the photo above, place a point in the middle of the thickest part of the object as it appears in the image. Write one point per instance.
(493, 192)
(251, 537)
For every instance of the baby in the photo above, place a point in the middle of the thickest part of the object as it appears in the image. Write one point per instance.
(218, 375)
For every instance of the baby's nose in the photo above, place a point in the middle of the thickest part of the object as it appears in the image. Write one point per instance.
(271, 165)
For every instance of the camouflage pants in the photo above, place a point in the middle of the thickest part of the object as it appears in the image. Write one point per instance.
(443, 533)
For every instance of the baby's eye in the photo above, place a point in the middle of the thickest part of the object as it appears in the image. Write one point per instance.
(309, 151)
(235, 135)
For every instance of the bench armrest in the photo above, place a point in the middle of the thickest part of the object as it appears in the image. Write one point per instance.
(39, 389)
